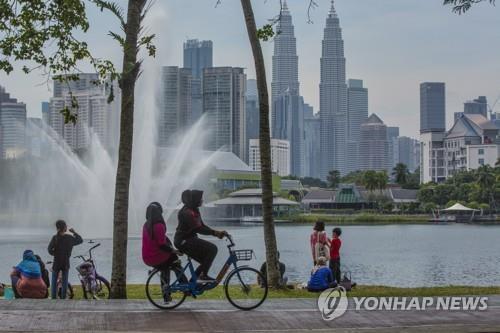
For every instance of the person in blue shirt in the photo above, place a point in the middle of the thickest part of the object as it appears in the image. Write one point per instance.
(321, 277)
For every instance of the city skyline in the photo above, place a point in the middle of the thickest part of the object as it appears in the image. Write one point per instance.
(393, 82)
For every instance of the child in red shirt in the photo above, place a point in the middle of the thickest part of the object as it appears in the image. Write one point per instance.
(335, 245)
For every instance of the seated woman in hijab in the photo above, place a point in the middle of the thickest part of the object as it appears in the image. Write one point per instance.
(27, 278)
(186, 236)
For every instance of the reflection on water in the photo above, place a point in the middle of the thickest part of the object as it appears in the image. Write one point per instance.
(396, 255)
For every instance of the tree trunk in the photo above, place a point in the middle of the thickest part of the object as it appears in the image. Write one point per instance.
(127, 82)
(273, 273)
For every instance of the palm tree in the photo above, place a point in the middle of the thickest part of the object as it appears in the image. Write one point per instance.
(486, 180)
(370, 181)
(381, 180)
(333, 178)
(497, 163)
(400, 173)
(273, 274)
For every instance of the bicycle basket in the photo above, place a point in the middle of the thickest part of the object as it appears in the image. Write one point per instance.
(244, 254)
(85, 269)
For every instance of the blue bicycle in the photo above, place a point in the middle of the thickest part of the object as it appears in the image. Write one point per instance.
(244, 287)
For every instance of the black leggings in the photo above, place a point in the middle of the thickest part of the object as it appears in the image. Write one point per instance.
(200, 250)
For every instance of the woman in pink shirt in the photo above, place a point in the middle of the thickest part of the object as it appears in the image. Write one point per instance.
(157, 249)
(319, 242)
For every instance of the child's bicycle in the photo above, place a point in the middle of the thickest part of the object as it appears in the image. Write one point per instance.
(94, 286)
(241, 286)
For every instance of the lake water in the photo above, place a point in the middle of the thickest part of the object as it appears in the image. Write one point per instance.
(394, 255)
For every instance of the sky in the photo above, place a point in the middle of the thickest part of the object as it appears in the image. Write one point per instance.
(393, 45)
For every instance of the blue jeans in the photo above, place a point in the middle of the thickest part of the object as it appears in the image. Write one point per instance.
(64, 283)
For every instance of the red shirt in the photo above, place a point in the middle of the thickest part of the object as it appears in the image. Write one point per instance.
(335, 248)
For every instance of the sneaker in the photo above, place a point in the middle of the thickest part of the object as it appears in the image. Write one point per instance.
(167, 299)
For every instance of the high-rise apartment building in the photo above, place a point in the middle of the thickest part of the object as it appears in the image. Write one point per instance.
(280, 156)
(252, 112)
(408, 152)
(373, 145)
(432, 132)
(357, 113)
(176, 109)
(12, 126)
(432, 107)
(333, 98)
(392, 142)
(198, 55)
(94, 113)
(224, 107)
(46, 112)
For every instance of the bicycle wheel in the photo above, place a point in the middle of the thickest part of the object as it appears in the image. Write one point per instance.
(162, 291)
(102, 289)
(242, 288)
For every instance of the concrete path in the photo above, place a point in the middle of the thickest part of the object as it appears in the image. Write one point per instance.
(287, 315)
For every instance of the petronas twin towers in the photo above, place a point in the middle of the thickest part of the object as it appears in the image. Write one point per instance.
(333, 94)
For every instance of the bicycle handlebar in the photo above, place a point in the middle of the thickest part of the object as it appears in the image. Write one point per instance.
(230, 239)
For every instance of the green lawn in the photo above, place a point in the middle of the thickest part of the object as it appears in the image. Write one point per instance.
(137, 291)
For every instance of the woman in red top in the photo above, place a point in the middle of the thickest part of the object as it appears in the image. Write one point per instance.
(157, 250)
(336, 243)
(319, 242)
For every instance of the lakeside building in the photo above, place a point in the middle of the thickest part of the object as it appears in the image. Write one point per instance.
(280, 156)
(12, 126)
(175, 114)
(246, 206)
(349, 196)
(224, 108)
(471, 143)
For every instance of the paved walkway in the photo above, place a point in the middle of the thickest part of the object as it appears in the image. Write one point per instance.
(296, 315)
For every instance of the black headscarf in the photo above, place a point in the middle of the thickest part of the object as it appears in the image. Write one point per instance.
(192, 198)
(154, 215)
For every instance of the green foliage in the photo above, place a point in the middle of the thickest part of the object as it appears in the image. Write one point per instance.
(355, 177)
(479, 186)
(312, 182)
(401, 173)
(333, 178)
(462, 6)
(375, 180)
(41, 34)
(265, 33)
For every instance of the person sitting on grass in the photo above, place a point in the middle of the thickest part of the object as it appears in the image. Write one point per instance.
(27, 278)
(321, 277)
(282, 268)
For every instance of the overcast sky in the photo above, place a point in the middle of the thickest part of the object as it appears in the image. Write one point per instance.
(392, 45)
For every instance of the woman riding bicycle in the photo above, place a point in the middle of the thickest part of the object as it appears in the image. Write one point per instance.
(157, 250)
(186, 236)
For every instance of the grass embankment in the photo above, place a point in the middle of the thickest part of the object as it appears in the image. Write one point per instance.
(361, 219)
(137, 291)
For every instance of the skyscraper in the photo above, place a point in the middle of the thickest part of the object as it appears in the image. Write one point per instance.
(94, 113)
(224, 106)
(432, 107)
(176, 108)
(12, 126)
(252, 112)
(432, 131)
(357, 113)
(312, 127)
(197, 56)
(409, 153)
(476, 106)
(288, 124)
(46, 112)
(280, 156)
(333, 98)
(373, 146)
(285, 59)
(393, 152)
